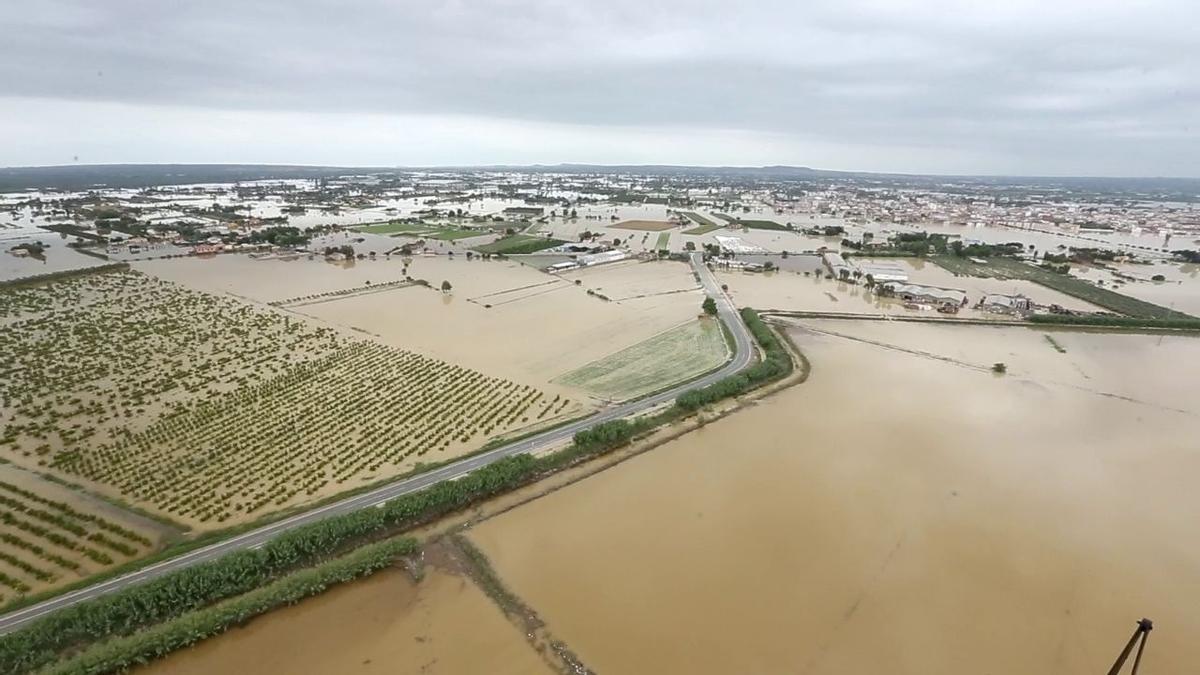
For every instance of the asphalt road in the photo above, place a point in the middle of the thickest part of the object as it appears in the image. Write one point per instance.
(743, 354)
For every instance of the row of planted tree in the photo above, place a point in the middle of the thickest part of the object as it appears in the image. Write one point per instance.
(47, 540)
(144, 621)
(208, 409)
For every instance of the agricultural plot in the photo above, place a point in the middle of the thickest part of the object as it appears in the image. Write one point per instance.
(645, 225)
(519, 243)
(676, 355)
(699, 219)
(208, 410)
(1007, 268)
(454, 235)
(393, 228)
(48, 539)
(703, 225)
(761, 224)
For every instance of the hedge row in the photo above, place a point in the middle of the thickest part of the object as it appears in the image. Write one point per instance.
(775, 364)
(144, 646)
(141, 605)
(1115, 321)
(163, 600)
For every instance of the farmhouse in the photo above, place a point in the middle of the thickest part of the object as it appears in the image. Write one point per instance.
(1006, 304)
(837, 265)
(932, 295)
(884, 272)
(565, 266)
(602, 257)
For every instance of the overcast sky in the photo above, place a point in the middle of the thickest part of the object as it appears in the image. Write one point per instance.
(1082, 87)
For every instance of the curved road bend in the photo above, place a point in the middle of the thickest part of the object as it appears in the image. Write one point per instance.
(743, 353)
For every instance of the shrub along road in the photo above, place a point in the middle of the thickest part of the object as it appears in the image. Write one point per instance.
(743, 355)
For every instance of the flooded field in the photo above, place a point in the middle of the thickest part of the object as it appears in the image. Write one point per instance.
(906, 510)
(492, 298)
(1178, 289)
(785, 290)
(56, 257)
(383, 624)
(508, 300)
(52, 536)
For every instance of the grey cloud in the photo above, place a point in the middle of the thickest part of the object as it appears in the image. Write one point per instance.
(1090, 81)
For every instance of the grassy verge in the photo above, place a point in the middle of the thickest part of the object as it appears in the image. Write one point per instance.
(124, 653)
(664, 239)
(1007, 268)
(777, 363)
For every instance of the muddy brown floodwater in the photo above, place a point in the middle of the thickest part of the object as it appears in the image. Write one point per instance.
(906, 510)
(383, 624)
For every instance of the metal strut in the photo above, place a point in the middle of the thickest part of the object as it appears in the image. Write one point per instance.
(1140, 635)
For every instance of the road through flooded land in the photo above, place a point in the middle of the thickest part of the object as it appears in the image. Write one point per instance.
(905, 510)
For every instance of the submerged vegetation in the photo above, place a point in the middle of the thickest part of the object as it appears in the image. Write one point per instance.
(146, 621)
(222, 410)
(1009, 268)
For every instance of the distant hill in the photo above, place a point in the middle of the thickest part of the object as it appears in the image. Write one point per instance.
(84, 176)
(78, 177)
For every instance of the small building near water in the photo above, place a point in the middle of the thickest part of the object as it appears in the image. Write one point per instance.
(1006, 304)
(930, 295)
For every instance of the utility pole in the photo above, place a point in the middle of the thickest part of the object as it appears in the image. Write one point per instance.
(1140, 635)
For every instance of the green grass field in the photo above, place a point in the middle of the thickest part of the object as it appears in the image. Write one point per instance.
(704, 225)
(1007, 268)
(676, 355)
(519, 243)
(725, 217)
(451, 235)
(664, 240)
(763, 225)
(392, 228)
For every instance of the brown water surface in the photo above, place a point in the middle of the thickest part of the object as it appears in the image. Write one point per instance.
(383, 624)
(904, 511)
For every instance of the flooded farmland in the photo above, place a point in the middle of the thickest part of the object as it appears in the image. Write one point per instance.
(905, 510)
(382, 624)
